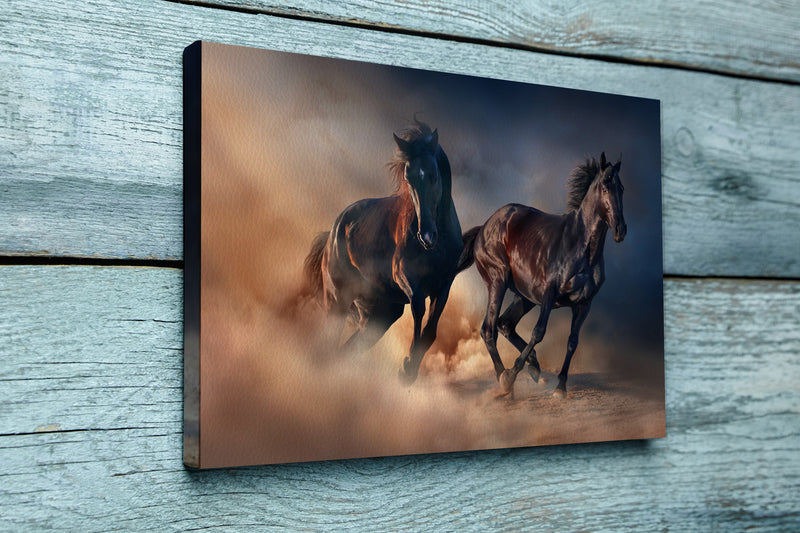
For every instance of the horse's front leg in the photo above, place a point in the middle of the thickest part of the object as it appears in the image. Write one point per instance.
(579, 313)
(508, 377)
(438, 302)
(408, 372)
(423, 339)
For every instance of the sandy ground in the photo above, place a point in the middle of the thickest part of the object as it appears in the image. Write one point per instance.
(598, 407)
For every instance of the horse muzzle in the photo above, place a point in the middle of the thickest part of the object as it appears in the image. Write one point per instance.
(620, 230)
(428, 239)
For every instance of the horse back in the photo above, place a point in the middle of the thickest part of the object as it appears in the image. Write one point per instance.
(371, 235)
(361, 246)
(525, 245)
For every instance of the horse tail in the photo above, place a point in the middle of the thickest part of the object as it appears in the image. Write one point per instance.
(312, 266)
(468, 253)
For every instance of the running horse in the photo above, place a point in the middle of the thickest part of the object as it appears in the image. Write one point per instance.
(384, 253)
(545, 259)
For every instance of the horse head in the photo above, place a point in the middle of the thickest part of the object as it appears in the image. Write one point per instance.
(422, 179)
(609, 197)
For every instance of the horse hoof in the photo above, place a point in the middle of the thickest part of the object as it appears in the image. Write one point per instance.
(407, 375)
(535, 373)
(406, 379)
(507, 381)
(559, 393)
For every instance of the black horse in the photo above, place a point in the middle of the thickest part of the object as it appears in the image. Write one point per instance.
(549, 260)
(384, 253)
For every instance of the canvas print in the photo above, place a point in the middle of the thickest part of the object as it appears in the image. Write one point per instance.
(385, 261)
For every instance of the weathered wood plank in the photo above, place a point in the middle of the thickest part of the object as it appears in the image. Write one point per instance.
(92, 128)
(108, 331)
(90, 430)
(740, 38)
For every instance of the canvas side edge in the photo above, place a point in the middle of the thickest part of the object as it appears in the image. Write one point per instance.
(192, 80)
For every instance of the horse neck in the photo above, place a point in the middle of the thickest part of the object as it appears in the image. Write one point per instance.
(446, 201)
(592, 226)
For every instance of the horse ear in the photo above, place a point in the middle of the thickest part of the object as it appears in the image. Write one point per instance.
(603, 162)
(402, 144)
(434, 140)
(618, 165)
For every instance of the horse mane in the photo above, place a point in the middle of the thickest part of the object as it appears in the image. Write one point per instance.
(580, 179)
(417, 135)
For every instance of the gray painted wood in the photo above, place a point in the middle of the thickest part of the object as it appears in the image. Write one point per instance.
(91, 358)
(744, 38)
(90, 429)
(91, 136)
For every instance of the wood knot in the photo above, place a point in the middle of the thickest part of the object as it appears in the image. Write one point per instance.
(737, 185)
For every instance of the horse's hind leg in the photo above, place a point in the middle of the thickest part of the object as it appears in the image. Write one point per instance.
(497, 290)
(579, 313)
(546, 306)
(338, 310)
(373, 325)
(507, 325)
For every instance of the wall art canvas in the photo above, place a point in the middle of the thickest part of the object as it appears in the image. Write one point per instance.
(386, 261)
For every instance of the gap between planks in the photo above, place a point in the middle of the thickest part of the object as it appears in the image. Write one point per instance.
(387, 28)
(54, 260)
(42, 260)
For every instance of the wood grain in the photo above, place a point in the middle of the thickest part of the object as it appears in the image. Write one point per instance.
(740, 38)
(91, 357)
(91, 136)
(90, 430)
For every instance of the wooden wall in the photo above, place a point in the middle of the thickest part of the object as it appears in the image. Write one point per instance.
(91, 256)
